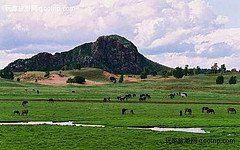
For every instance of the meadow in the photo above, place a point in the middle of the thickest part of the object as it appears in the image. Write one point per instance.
(86, 106)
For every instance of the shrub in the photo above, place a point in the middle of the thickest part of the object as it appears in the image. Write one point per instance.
(220, 80)
(233, 80)
(77, 79)
(6, 74)
(113, 79)
(178, 73)
(18, 79)
(121, 79)
(47, 74)
(143, 75)
(154, 73)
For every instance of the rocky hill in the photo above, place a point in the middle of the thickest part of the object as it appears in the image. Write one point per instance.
(111, 53)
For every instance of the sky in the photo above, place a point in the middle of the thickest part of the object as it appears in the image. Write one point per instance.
(170, 32)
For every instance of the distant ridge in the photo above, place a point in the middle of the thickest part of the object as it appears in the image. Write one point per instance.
(112, 53)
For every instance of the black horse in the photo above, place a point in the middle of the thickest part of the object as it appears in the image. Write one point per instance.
(50, 100)
(188, 110)
(24, 112)
(124, 111)
(24, 103)
(232, 110)
(210, 111)
(16, 112)
(171, 95)
(204, 109)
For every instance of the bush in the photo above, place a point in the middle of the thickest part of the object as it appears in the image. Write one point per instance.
(220, 80)
(233, 80)
(18, 79)
(6, 74)
(77, 79)
(143, 75)
(113, 79)
(47, 74)
(178, 73)
(164, 73)
(121, 79)
(154, 73)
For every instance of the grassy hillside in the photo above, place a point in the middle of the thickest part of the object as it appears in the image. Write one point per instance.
(93, 74)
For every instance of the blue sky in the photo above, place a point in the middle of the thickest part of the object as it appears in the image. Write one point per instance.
(229, 8)
(171, 32)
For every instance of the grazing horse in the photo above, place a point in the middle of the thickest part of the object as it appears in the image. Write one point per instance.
(210, 111)
(124, 111)
(24, 112)
(148, 96)
(38, 92)
(171, 95)
(143, 98)
(106, 99)
(183, 95)
(50, 100)
(180, 113)
(232, 110)
(134, 95)
(204, 109)
(128, 95)
(24, 103)
(188, 110)
(16, 112)
(73, 91)
(131, 111)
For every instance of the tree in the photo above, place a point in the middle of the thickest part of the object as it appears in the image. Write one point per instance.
(220, 80)
(121, 79)
(198, 70)
(233, 80)
(214, 68)
(186, 71)
(6, 74)
(223, 68)
(164, 73)
(77, 66)
(154, 73)
(143, 75)
(178, 73)
(146, 70)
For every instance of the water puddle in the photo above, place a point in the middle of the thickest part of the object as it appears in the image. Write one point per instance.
(69, 123)
(188, 130)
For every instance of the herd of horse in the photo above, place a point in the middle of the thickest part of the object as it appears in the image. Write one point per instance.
(188, 111)
(121, 98)
(142, 97)
(181, 94)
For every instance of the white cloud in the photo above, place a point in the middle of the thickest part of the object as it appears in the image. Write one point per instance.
(182, 59)
(152, 25)
(6, 57)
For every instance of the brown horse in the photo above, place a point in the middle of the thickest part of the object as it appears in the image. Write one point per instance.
(204, 109)
(232, 110)
(210, 111)
(24, 112)
(188, 110)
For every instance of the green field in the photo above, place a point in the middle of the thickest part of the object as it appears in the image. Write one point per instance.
(86, 106)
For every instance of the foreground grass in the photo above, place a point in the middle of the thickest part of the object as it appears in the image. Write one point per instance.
(55, 137)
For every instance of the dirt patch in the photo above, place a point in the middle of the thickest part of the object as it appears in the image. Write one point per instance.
(54, 79)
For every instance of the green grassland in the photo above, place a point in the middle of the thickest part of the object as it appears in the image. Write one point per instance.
(86, 106)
